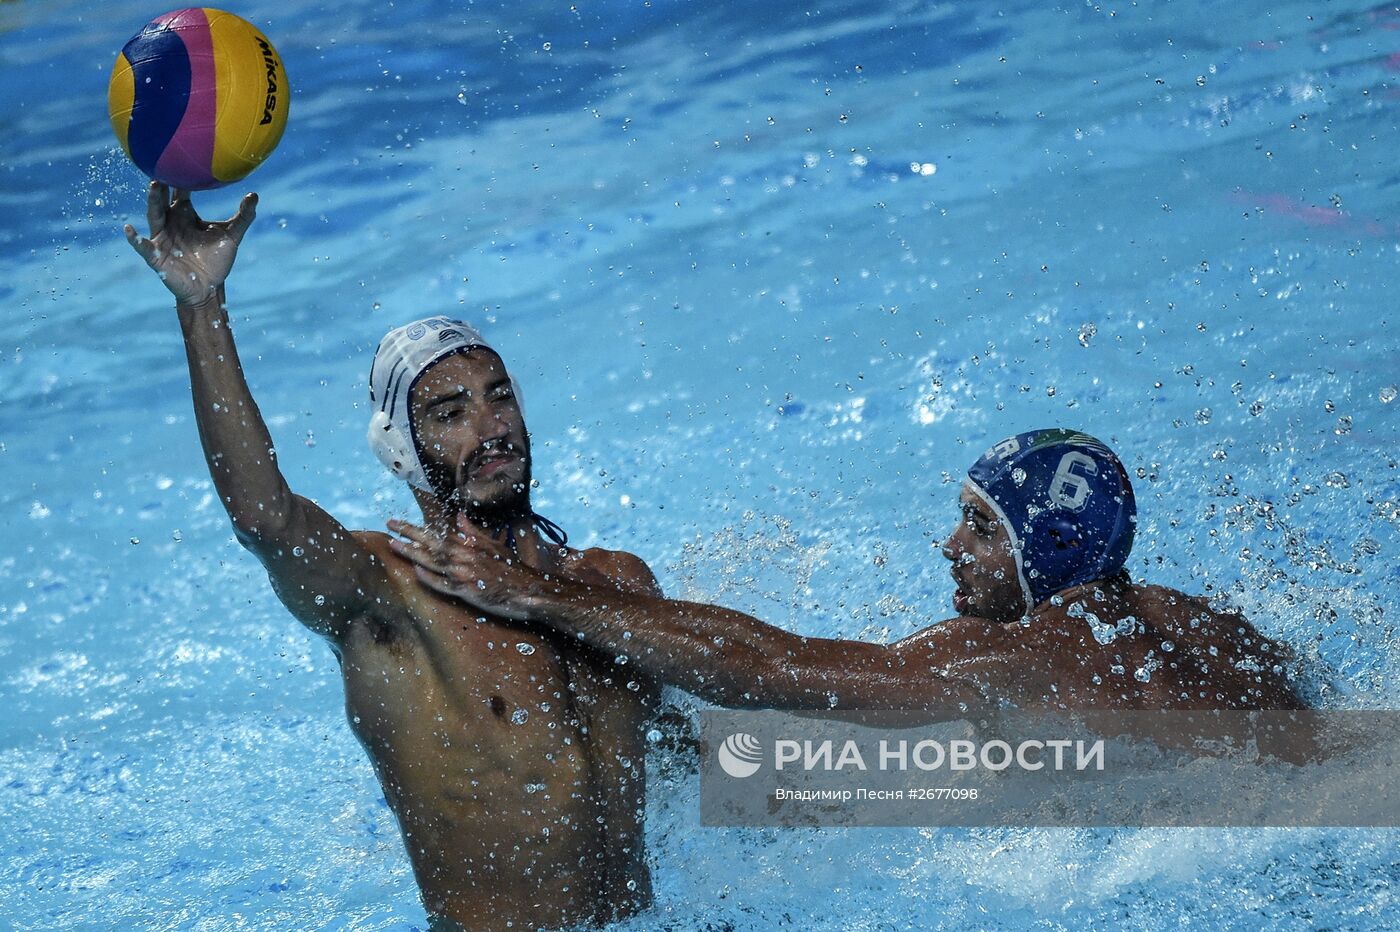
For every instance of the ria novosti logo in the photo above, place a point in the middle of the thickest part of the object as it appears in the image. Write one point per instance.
(741, 755)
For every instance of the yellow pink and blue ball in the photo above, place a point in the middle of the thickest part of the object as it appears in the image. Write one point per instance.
(198, 98)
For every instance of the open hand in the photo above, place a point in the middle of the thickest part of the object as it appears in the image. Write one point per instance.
(191, 256)
(471, 566)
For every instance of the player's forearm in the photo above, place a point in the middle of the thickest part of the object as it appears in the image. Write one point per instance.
(720, 655)
(237, 445)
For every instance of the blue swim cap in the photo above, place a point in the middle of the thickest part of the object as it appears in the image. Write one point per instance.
(1067, 503)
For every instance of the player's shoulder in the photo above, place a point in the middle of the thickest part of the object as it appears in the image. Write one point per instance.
(619, 560)
(398, 571)
(376, 543)
(1168, 595)
(623, 569)
(374, 539)
(961, 634)
(1167, 606)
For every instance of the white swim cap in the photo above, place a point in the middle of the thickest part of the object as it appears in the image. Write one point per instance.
(400, 361)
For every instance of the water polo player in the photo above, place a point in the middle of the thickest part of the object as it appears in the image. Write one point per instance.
(1047, 616)
(512, 761)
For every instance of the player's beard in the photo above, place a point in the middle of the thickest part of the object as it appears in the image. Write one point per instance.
(512, 501)
(505, 503)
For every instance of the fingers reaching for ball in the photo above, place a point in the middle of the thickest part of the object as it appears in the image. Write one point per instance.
(182, 208)
(247, 210)
(144, 247)
(192, 256)
(157, 203)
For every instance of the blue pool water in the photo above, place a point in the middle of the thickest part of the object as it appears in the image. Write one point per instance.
(771, 274)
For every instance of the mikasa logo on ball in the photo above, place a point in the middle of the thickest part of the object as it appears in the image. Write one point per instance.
(271, 63)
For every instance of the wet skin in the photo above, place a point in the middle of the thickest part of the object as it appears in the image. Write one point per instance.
(512, 759)
(1191, 655)
(993, 653)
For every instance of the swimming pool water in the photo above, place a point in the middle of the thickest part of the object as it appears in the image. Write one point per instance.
(771, 276)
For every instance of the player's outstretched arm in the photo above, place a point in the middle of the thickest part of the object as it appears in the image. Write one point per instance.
(324, 575)
(718, 654)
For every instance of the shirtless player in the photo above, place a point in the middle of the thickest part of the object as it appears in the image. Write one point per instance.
(1047, 617)
(512, 760)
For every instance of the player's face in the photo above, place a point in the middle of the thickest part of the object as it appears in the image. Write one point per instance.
(984, 566)
(471, 434)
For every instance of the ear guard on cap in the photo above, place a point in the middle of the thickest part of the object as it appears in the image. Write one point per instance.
(394, 449)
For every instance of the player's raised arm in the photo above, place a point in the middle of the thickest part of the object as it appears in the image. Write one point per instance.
(323, 574)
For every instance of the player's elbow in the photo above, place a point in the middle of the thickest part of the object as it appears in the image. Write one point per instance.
(251, 534)
(257, 537)
(260, 528)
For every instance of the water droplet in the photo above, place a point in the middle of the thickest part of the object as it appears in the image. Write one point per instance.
(1337, 480)
(525, 649)
(481, 584)
(1203, 415)
(1389, 394)
(135, 541)
(654, 736)
(320, 600)
(1168, 646)
(1018, 475)
(1086, 333)
(547, 46)
(298, 552)
(519, 716)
